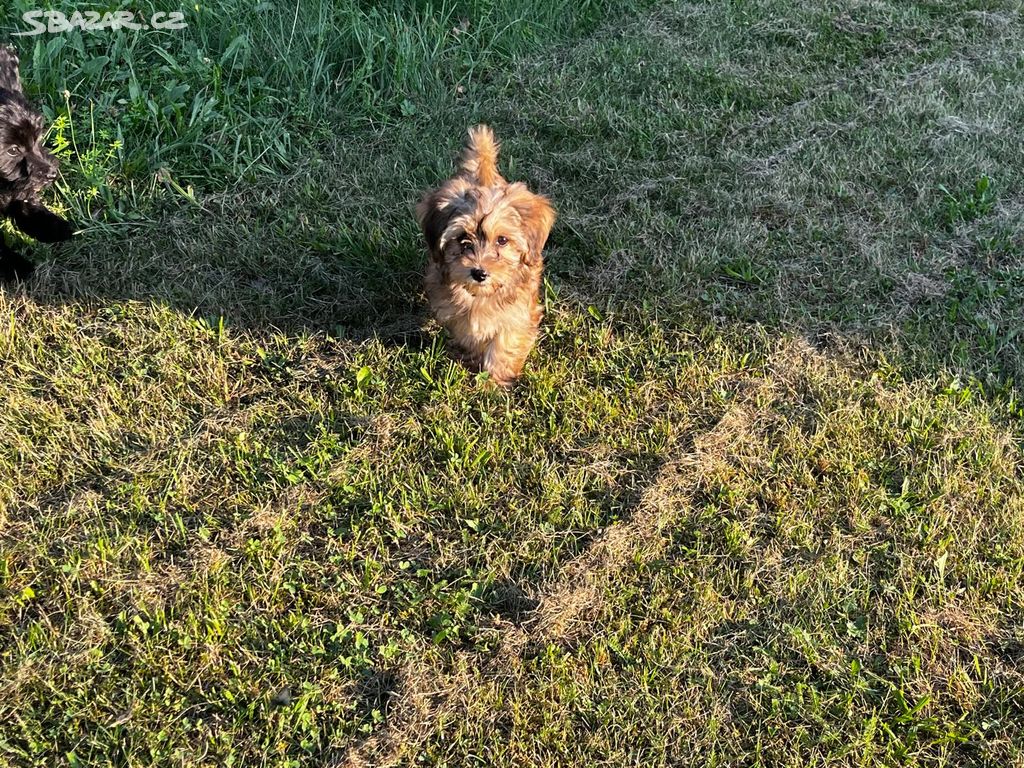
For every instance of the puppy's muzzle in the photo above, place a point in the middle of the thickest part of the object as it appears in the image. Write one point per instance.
(478, 274)
(42, 167)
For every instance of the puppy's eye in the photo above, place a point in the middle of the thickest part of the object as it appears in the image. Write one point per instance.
(502, 241)
(467, 246)
(12, 151)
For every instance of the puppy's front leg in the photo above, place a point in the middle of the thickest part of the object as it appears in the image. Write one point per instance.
(39, 222)
(506, 356)
(13, 266)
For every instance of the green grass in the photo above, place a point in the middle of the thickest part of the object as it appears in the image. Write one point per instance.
(248, 87)
(758, 500)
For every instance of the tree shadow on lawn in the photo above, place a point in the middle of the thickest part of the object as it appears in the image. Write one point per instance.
(256, 282)
(360, 280)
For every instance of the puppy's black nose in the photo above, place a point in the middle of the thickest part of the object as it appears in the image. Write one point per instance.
(478, 274)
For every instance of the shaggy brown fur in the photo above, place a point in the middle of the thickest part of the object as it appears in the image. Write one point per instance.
(485, 238)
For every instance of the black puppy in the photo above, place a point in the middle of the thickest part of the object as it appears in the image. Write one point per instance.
(26, 168)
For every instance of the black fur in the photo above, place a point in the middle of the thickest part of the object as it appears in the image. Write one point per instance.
(26, 169)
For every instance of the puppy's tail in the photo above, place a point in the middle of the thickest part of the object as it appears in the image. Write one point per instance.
(480, 159)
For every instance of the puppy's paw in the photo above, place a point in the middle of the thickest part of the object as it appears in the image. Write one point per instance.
(39, 222)
(14, 267)
(57, 230)
(494, 382)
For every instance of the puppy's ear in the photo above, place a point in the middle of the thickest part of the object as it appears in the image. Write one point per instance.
(9, 78)
(39, 222)
(433, 220)
(538, 216)
(437, 209)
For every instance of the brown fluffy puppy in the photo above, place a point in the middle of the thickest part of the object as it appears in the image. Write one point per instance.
(485, 238)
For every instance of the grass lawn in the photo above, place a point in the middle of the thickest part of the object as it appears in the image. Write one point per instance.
(758, 500)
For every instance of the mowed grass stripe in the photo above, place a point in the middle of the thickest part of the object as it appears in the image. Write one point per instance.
(559, 612)
(840, 585)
